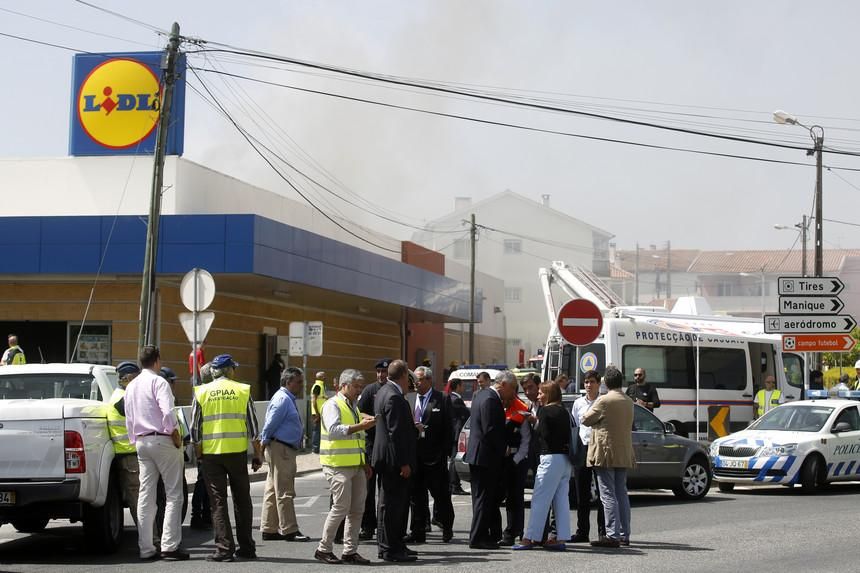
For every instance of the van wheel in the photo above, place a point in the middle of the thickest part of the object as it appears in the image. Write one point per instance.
(30, 524)
(726, 487)
(812, 474)
(103, 525)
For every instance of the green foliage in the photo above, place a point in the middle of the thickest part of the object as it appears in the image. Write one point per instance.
(844, 359)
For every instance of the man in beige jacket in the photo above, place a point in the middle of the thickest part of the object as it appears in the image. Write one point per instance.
(610, 452)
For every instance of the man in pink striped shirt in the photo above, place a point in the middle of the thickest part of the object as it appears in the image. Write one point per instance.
(153, 429)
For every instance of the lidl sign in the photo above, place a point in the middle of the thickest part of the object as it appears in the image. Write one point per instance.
(116, 101)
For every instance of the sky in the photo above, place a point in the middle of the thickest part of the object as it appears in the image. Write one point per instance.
(717, 67)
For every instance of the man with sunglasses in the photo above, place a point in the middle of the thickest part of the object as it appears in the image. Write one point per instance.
(642, 392)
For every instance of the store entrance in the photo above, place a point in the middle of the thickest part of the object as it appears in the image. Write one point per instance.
(41, 341)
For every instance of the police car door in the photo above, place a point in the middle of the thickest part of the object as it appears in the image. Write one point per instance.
(843, 460)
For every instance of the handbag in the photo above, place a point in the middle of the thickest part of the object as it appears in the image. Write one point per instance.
(576, 449)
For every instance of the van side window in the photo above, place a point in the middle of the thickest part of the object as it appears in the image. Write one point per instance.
(793, 365)
(722, 369)
(667, 366)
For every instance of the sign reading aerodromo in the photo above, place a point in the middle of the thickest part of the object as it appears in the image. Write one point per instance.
(116, 101)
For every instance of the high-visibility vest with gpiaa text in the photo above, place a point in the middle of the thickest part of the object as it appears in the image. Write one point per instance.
(346, 452)
(116, 425)
(223, 407)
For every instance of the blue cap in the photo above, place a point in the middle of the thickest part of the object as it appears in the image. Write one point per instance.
(223, 361)
(168, 374)
(383, 363)
(126, 368)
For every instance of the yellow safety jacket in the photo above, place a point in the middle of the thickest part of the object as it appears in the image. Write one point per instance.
(346, 452)
(224, 406)
(760, 399)
(116, 425)
(321, 399)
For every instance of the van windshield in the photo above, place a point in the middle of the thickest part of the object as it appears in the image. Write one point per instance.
(44, 386)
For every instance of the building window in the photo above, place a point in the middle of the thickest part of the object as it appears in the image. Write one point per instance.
(460, 250)
(724, 288)
(513, 246)
(513, 294)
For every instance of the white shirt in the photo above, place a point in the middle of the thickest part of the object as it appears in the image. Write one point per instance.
(337, 429)
(580, 407)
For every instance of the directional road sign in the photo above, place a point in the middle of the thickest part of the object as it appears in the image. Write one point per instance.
(817, 343)
(810, 305)
(808, 323)
(579, 321)
(804, 286)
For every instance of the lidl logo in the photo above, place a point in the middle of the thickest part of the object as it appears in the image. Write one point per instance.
(116, 105)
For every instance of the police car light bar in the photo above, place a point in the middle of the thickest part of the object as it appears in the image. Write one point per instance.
(813, 394)
(849, 394)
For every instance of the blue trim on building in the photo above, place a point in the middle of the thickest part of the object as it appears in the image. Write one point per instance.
(236, 244)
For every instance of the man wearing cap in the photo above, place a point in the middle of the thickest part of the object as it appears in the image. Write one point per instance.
(281, 438)
(124, 451)
(153, 430)
(318, 398)
(223, 421)
(365, 406)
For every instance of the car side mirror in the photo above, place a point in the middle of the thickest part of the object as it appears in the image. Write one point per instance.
(669, 427)
(841, 427)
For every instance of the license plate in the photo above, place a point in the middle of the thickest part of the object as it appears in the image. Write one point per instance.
(739, 464)
(7, 498)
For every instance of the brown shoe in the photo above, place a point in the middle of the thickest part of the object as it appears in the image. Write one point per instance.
(625, 541)
(355, 559)
(329, 557)
(606, 542)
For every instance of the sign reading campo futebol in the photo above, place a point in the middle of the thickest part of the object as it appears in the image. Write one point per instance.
(808, 323)
(116, 101)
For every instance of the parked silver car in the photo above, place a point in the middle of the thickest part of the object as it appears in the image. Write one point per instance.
(664, 459)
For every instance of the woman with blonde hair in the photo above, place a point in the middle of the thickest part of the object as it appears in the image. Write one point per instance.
(553, 474)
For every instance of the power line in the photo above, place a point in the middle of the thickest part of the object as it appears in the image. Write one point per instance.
(517, 126)
(161, 31)
(70, 27)
(281, 175)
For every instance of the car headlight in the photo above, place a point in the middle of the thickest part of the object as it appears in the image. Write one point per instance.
(782, 450)
(715, 449)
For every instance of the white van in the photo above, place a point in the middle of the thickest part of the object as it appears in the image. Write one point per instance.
(693, 361)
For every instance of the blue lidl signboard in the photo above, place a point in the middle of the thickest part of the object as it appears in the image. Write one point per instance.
(116, 100)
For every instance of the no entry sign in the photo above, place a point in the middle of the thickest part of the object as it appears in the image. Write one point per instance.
(579, 322)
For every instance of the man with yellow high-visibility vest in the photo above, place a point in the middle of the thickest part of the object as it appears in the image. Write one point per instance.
(344, 461)
(767, 398)
(124, 451)
(223, 421)
(318, 398)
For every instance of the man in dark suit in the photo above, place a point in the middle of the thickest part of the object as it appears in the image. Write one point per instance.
(432, 414)
(459, 415)
(394, 461)
(366, 406)
(485, 455)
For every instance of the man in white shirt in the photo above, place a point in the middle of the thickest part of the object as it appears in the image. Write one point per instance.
(584, 475)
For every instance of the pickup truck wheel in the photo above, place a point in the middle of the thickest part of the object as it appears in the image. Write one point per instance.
(30, 524)
(103, 525)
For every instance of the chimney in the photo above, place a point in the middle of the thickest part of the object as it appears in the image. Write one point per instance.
(462, 202)
(544, 199)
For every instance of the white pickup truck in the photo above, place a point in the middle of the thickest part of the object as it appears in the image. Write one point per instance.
(56, 457)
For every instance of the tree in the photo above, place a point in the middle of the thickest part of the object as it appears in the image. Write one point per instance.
(844, 359)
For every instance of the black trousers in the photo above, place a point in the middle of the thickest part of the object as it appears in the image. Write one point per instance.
(219, 470)
(486, 496)
(430, 478)
(583, 476)
(200, 498)
(393, 512)
(514, 483)
(368, 519)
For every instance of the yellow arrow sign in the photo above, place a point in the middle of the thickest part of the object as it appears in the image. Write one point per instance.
(718, 421)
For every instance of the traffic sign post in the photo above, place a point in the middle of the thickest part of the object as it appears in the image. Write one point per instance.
(818, 343)
(808, 324)
(197, 291)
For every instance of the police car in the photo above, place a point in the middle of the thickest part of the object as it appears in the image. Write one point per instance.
(810, 442)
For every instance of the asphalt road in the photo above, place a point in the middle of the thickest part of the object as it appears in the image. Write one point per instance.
(772, 529)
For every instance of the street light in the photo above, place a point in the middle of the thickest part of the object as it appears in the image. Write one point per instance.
(816, 132)
(803, 226)
(762, 288)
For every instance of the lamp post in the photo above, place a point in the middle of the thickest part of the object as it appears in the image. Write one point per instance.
(816, 132)
(803, 226)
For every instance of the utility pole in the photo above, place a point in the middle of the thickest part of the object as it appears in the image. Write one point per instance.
(803, 248)
(668, 270)
(636, 277)
(473, 232)
(147, 290)
(819, 240)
